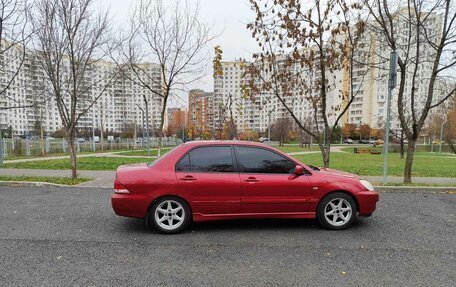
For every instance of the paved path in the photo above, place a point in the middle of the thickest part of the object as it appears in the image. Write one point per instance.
(101, 154)
(70, 236)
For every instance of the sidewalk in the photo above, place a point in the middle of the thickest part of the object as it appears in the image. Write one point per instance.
(101, 154)
(106, 178)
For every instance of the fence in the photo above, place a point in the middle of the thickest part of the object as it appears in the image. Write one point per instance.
(27, 147)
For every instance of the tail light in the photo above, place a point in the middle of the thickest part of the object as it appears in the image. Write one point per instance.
(119, 188)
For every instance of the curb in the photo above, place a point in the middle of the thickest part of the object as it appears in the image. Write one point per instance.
(32, 183)
(415, 189)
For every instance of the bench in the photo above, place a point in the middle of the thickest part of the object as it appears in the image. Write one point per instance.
(367, 150)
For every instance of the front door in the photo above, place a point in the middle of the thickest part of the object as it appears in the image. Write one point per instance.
(268, 183)
(209, 177)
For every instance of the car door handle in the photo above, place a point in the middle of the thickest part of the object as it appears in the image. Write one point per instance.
(251, 179)
(188, 178)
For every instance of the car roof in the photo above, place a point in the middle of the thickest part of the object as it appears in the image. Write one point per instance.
(224, 142)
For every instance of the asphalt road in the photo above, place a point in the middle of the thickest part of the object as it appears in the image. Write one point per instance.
(70, 236)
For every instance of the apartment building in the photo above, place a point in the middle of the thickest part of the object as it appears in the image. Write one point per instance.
(121, 101)
(200, 113)
(177, 120)
(370, 104)
(369, 85)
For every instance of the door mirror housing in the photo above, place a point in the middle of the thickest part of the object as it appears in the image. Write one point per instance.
(299, 170)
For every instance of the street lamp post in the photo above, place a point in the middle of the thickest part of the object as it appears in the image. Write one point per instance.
(360, 123)
(93, 129)
(441, 135)
(147, 125)
(142, 121)
(269, 123)
(391, 84)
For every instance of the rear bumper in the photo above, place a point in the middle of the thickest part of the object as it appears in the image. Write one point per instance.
(130, 205)
(367, 201)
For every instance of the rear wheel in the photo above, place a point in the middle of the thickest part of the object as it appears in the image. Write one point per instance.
(336, 211)
(169, 215)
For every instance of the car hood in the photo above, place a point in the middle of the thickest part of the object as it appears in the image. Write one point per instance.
(337, 173)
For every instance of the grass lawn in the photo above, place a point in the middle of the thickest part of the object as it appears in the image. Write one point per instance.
(84, 163)
(58, 180)
(425, 164)
(296, 148)
(153, 152)
(372, 164)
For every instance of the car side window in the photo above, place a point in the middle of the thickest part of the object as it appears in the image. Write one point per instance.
(207, 159)
(184, 164)
(258, 160)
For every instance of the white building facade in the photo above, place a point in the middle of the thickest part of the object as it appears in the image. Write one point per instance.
(119, 106)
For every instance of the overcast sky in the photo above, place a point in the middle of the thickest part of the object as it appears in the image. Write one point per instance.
(229, 19)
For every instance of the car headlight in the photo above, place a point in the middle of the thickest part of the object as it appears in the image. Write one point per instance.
(367, 184)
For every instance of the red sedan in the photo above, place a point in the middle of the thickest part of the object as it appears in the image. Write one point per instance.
(218, 180)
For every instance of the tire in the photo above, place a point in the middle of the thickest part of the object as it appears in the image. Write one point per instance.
(336, 211)
(169, 215)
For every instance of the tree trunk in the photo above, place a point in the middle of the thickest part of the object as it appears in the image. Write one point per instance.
(43, 150)
(409, 161)
(71, 148)
(325, 152)
(451, 145)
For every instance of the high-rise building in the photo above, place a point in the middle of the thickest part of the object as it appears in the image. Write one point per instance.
(177, 121)
(119, 103)
(369, 85)
(200, 113)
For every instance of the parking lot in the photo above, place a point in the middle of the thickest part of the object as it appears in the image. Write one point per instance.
(70, 236)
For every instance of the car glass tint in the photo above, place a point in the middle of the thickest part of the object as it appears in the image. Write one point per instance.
(211, 159)
(184, 164)
(258, 160)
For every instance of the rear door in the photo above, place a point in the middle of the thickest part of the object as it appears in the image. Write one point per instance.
(268, 183)
(209, 176)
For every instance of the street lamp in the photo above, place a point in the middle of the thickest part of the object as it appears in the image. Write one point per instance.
(360, 123)
(142, 120)
(392, 79)
(269, 123)
(441, 135)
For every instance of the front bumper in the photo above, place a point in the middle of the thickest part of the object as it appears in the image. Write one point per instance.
(367, 201)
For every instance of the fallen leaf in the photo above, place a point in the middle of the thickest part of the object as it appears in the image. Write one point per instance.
(343, 273)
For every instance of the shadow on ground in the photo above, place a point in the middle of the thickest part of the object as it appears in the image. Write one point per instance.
(134, 225)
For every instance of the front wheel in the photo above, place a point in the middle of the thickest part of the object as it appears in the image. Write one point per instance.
(336, 211)
(169, 215)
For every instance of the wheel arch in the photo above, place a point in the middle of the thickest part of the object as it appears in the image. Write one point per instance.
(342, 191)
(167, 195)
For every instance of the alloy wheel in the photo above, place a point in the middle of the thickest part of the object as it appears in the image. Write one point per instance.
(169, 215)
(338, 212)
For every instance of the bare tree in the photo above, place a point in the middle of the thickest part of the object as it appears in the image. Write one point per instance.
(172, 36)
(69, 40)
(281, 129)
(424, 35)
(301, 51)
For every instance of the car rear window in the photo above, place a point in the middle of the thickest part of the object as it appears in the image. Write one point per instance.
(207, 159)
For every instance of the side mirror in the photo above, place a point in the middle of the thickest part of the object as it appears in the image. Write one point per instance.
(299, 170)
